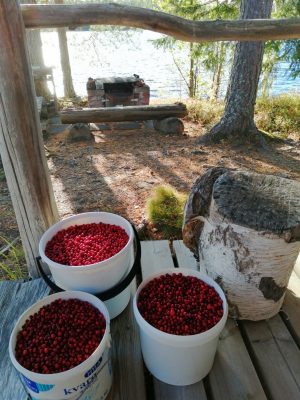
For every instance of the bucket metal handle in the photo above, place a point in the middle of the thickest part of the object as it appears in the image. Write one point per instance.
(112, 292)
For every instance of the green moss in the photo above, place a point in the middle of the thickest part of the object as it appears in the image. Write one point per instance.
(165, 210)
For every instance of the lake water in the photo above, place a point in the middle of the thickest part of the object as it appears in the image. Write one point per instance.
(101, 54)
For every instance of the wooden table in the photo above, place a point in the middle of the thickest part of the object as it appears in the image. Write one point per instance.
(255, 360)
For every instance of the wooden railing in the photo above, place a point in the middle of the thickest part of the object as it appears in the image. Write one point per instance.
(47, 16)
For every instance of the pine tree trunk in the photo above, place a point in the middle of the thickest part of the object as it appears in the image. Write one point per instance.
(238, 118)
(34, 42)
(65, 60)
(192, 79)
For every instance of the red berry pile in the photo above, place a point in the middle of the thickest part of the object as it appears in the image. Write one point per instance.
(59, 336)
(86, 244)
(180, 305)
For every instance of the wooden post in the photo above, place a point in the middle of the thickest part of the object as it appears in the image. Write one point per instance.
(21, 143)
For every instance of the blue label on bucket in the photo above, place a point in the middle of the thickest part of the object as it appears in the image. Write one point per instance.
(93, 369)
(36, 387)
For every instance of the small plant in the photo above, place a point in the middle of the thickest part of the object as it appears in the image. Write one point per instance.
(165, 210)
(13, 261)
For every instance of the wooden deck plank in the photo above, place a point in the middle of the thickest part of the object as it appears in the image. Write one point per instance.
(184, 256)
(164, 391)
(156, 256)
(291, 305)
(128, 367)
(233, 372)
(15, 298)
(277, 357)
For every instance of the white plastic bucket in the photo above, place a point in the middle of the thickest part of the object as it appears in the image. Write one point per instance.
(90, 380)
(98, 277)
(179, 360)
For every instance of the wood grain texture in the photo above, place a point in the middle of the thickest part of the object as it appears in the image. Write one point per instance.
(277, 356)
(42, 16)
(21, 143)
(164, 391)
(233, 373)
(128, 368)
(128, 113)
(291, 305)
(15, 298)
(184, 256)
(156, 256)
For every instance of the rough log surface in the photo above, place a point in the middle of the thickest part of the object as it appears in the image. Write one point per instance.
(47, 16)
(21, 143)
(130, 113)
(261, 202)
(245, 229)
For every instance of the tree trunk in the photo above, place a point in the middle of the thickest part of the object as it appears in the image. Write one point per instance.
(245, 229)
(218, 72)
(238, 118)
(34, 42)
(21, 144)
(65, 60)
(192, 72)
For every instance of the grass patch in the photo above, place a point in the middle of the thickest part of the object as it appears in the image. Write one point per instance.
(279, 115)
(165, 210)
(206, 112)
(13, 263)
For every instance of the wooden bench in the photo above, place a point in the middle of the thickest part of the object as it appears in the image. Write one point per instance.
(255, 360)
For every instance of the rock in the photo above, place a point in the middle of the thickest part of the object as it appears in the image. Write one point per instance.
(169, 125)
(79, 132)
(100, 127)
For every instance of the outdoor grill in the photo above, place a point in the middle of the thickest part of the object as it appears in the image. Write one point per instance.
(117, 91)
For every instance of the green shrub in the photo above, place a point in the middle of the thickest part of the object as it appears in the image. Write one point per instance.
(279, 115)
(165, 210)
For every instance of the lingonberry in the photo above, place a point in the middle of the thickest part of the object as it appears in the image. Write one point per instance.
(180, 305)
(59, 336)
(86, 244)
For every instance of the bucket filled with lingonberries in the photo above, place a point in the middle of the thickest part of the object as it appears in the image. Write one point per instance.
(61, 348)
(91, 252)
(180, 314)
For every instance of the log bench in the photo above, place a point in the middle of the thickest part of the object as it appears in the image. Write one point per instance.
(255, 360)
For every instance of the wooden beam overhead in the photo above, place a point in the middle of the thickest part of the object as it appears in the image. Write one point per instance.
(50, 16)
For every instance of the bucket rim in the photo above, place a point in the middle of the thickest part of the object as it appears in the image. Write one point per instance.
(105, 341)
(183, 340)
(88, 267)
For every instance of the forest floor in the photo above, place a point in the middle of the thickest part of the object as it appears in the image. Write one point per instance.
(118, 170)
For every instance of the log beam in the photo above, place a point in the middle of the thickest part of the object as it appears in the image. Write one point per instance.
(117, 114)
(21, 143)
(50, 16)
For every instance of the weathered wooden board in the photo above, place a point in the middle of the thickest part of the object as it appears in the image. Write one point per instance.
(184, 256)
(169, 392)
(233, 373)
(277, 357)
(15, 298)
(291, 306)
(128, 368)
(156, 256)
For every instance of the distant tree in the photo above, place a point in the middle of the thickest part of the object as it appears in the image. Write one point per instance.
(34, 42)
(65, 60)
(238, 118)
(211, 56)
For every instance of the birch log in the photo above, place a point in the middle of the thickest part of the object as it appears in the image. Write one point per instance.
(245, 228)
(21, 143)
